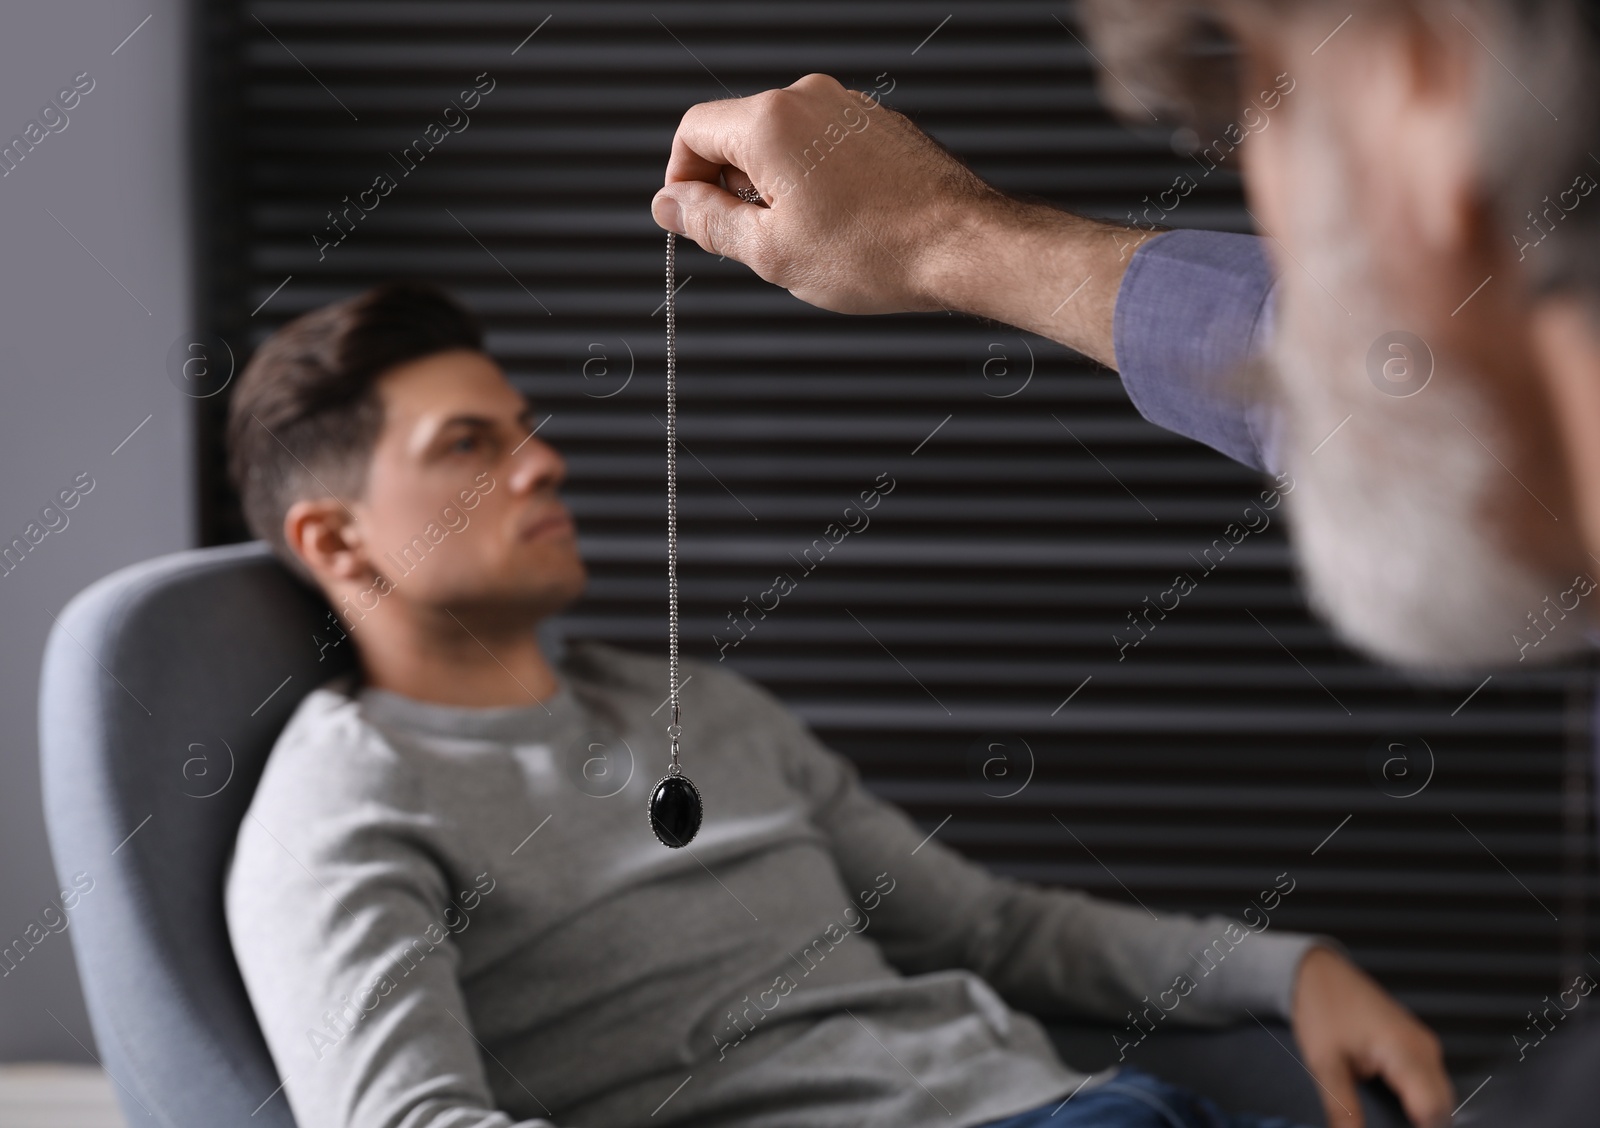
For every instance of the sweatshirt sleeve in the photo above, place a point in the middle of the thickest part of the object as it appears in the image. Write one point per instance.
(1049, 951)
(341, 924)
(1193, 306)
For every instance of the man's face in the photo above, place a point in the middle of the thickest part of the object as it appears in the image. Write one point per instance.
(1431, 513)
(460, 509)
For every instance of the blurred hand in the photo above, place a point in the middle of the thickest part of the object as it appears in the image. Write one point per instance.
(1350, 1029)
(867, 214)
(858, 196)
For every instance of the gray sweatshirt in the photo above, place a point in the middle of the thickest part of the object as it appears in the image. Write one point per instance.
(459, 918)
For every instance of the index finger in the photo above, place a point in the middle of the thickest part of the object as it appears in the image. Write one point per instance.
(711, 136)
(1340, 1099)
(1423, 1086)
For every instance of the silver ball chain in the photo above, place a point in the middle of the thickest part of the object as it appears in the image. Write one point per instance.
(674, 730)
(750, 195)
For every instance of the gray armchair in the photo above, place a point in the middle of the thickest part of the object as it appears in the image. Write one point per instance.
(164, 687)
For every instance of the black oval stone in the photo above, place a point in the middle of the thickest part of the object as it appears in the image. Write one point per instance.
(675, 810)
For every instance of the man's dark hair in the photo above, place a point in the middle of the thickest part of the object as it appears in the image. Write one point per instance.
(305, 413)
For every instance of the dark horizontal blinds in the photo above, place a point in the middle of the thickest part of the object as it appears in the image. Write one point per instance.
(960, 646)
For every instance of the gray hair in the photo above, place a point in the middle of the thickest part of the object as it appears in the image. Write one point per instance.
(1536, 110)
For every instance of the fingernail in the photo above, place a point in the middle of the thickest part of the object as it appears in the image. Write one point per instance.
(667, 213)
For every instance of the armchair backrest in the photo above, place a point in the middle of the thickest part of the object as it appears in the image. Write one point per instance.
(164, 687)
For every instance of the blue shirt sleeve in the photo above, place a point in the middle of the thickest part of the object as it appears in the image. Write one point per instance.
(1192, 308)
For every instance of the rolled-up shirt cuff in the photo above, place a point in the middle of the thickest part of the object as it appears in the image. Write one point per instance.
(1193, 306)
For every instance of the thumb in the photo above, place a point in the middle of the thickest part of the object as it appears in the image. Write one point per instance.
(716, 219)
(1336, 1084)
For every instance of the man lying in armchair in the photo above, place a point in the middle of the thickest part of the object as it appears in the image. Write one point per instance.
(448, 906)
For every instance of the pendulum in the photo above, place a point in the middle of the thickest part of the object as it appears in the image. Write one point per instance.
(675, 800)
(675, 808)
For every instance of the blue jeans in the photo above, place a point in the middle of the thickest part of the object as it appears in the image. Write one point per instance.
(1135, 1099)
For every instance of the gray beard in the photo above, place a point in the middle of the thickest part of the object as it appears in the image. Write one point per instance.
(1390, 524)
(1399, 519)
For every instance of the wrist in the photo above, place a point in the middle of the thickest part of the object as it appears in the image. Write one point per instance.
(1029, 265)
(956, 239)
(1319, 961)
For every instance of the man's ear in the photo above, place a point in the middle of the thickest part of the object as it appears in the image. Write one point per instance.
(323, 533)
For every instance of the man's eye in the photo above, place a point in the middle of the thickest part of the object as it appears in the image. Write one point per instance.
(466, 444)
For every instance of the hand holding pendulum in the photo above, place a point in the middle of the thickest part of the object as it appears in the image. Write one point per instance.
(675, 808)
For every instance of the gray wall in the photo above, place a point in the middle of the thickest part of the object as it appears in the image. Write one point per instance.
(93, 299)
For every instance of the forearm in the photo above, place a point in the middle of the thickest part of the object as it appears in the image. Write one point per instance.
(892, 222)
(1049, 951)
(1029, 265)
(1061, 952)
(1179, 314)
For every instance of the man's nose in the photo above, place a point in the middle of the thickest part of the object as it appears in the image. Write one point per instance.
(536, 466)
